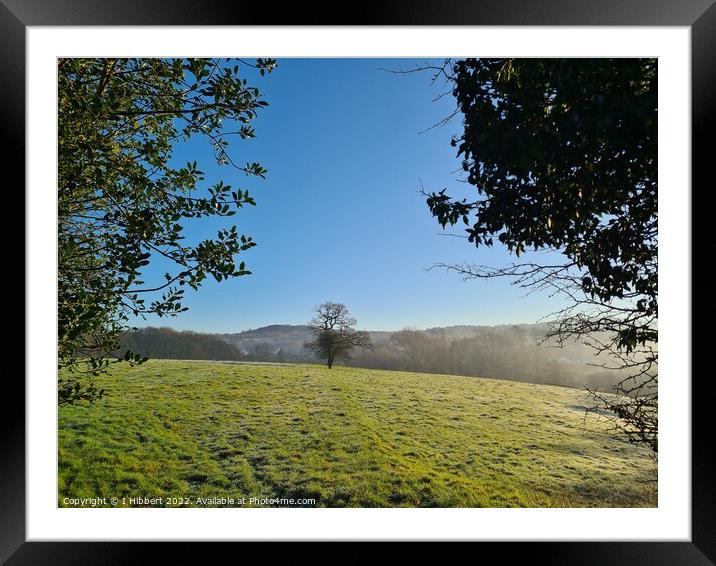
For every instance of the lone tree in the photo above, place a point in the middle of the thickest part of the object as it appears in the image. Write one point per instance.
(563, 156)
(123, 200)
(333, 334)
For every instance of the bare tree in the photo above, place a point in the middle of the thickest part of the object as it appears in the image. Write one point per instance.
(414, 344)
(333, 334)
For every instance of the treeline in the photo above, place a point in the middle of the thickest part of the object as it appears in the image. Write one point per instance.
(508, 352)
(166, 343)
(501, 352)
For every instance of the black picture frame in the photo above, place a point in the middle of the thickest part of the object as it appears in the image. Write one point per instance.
(699, 15)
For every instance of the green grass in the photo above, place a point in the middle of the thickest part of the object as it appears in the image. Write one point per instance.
(345, 437)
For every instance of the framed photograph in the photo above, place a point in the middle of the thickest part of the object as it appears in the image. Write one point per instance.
(389, 279)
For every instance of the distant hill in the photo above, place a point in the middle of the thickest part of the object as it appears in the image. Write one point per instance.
(273, 330)
(270, 340)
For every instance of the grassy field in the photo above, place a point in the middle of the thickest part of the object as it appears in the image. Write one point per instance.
(344, 437)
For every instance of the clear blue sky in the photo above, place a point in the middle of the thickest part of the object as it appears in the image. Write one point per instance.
(339, 216)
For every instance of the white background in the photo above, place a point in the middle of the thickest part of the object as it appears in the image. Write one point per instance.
(670, 521)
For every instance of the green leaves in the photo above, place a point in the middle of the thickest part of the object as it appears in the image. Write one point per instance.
(255, 169)
(265, 65)
(563, 155)
(121, 200)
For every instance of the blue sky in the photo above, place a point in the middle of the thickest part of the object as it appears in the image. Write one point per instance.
(339, 216)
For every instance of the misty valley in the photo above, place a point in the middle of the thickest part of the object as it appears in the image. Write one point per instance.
(513, 352)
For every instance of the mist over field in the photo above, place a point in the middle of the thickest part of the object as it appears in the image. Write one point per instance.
(513, 352)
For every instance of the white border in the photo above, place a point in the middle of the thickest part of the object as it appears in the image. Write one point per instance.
(670, 521)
